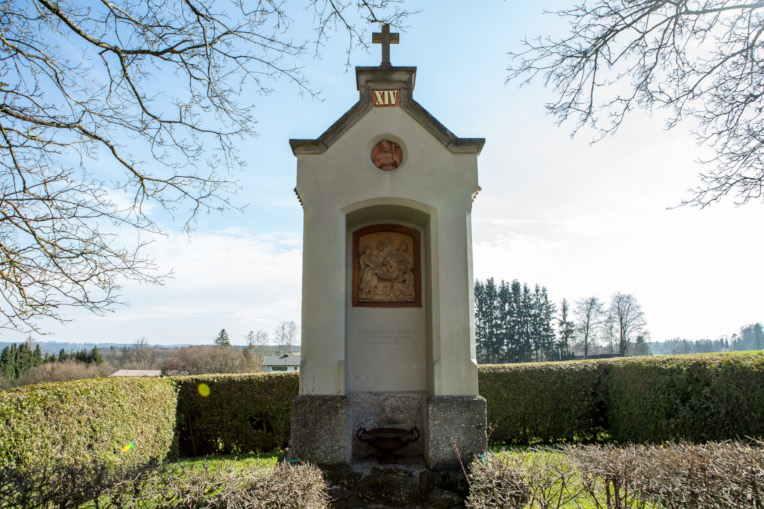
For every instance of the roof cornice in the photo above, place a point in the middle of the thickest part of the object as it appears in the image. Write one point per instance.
(402, 78)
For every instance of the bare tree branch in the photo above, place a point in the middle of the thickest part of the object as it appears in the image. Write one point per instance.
(698, 59)
(113, 108)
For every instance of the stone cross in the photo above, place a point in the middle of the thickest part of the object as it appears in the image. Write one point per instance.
(385, 39)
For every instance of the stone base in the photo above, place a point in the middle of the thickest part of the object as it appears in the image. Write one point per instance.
(409, 485)
(386, 410)
(321, 430)
(454, 423)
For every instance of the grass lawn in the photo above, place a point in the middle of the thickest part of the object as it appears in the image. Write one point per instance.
(263, 460)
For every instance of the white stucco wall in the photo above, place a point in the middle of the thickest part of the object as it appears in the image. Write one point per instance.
(432, 180)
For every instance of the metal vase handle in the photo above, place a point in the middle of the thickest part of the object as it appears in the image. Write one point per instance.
(360, 433)
(412, 432)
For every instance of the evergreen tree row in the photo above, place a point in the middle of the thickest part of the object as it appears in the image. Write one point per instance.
(515, 324)
(18, 360)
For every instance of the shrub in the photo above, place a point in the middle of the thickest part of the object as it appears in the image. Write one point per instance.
(692, 397)
(64, 371)
(497, 482)
(612, 476)
(48, 486)
(241, 413)
(87, 420)
(544, 402)
(646, 399)
(724, 475)
(199, 360)
(226, 486)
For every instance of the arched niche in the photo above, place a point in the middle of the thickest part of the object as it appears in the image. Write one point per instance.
(388, 340)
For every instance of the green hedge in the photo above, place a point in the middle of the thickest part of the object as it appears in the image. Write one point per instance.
(242, 413)
(638, 399)
(647, 399)
(88, 420)
(694, 397)
(547, 402)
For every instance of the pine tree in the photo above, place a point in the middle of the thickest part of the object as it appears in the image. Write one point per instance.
(63, 356)
(95, 357)
(82, 356)
(37, 356)
(565, 329)
(5, 362)
(12, 371)
(222, 339)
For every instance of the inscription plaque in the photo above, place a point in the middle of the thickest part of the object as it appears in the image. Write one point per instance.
(386, 270)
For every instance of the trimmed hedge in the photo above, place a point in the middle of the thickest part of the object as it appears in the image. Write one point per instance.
(654, 399)
(638, 399)
(242, 413)
(86, 421)
(692, 397)
(543, 402)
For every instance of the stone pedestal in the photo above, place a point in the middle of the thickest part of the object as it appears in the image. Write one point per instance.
(321, 431)
(408, 485)
(456, 427)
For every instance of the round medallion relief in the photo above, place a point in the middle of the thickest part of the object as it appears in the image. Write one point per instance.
(387, 155)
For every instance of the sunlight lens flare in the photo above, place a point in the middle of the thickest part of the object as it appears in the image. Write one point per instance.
(204, 390)
(128, 446)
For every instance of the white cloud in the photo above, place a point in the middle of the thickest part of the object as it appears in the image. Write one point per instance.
(233, 279)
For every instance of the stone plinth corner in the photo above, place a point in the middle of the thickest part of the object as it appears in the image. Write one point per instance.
(321, 430)
(454, 422)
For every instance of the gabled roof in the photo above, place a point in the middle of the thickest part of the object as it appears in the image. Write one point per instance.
(403, 78)
(281, 360)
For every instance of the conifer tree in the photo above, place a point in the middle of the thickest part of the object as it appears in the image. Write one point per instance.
(63, 356)
(95, 357)
(222, 338)
(565, 330)
(37, 356)
(6, 362)
(12, 372)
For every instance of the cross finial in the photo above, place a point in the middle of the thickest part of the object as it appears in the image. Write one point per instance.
(385, 39)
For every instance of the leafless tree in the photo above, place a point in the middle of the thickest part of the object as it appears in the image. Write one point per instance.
(628, 318)
(140, 356)
(698, 59)
(589, 315)
(285, 336)
(117, 113)
(257, 342)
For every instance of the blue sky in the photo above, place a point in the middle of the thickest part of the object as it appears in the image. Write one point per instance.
(581, 219)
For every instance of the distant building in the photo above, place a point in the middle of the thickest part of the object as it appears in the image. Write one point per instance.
(281, 363)
(137, 372)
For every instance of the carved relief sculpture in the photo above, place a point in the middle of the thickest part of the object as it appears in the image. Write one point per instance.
(386, 155)
(386, 267)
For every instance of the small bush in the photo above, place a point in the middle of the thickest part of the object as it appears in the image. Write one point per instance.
(723, 475)
(498, 482)
(227, 486)
(241, 413)
(612, 476)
